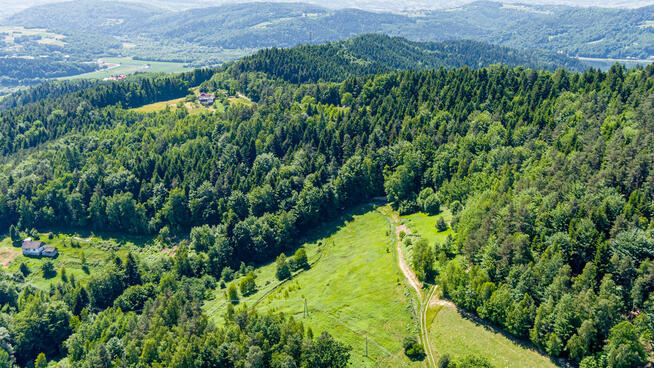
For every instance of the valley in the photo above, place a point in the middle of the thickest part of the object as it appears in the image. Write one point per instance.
(286, 185)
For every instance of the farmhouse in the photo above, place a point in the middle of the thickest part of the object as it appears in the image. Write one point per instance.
(50, 252)
(206, 99)
(32, 248)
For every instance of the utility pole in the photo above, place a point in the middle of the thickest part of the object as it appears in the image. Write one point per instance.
(366, 346)
(306, 309)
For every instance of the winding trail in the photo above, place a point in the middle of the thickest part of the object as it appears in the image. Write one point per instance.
(424, 327)
(401, 261)
(417, 285)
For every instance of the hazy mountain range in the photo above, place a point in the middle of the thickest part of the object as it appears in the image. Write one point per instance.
(8, 7)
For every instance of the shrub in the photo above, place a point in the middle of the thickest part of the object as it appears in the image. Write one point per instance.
(24, 269)
(248, 285)
(413, 349)
(407, 207)
(444, 361)
(432, 204)
(48, 270)
(441, 225)
(300, 259)
(232, 294)
(283, 269)
(227, 274)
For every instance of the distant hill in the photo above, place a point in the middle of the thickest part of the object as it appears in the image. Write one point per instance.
(84, 16)
(138, 29)
(371, 54)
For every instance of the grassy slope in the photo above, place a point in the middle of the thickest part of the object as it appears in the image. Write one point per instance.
(96, 251)
(354, 288)
(192, 107)
(458, 336)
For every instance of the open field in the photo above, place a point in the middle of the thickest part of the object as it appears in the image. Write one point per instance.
(425, 226)
(12, 32)
(95, 250)
(458, 336)
(354, 289)
(130, 66)
(192, 107)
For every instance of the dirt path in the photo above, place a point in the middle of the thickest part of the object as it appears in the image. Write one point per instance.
(424, 327)
(417, 285)
(406, 270)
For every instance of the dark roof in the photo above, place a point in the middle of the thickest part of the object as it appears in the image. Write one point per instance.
(31, 244)
(49, 249)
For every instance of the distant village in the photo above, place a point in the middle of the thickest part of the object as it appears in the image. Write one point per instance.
(115, 77)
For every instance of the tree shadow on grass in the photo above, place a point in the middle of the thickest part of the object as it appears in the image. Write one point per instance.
(478, 321)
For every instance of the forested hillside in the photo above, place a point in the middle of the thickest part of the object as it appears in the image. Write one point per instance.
(19, 71)
(112, 28)
(372, 54)
(549, 176)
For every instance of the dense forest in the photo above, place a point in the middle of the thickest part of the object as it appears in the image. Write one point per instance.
(373, 54)
(21, 71)
(549, 175)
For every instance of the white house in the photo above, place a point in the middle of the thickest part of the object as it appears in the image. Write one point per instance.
(32, 248)
(50, 252)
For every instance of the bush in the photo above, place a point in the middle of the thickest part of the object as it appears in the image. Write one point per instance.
(432, 204)
(407, 207)
(444, 361)
(48, 270)
(300, 259)
(248, 285)
(413, 349)
(283, 269)
(227, 274)
(24, 269)
(232, 294)
(441, 225)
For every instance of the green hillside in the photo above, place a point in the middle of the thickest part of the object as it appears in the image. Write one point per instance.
(542, 180)
(372, 54)
(130, 29)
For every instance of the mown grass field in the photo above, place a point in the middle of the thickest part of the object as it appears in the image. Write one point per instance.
(96, 251)
(354, 289)
(130, 66)
(453, 334)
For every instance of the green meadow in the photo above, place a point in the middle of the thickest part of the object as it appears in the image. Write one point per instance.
(130, 66)
(354, 289)
(459, 336)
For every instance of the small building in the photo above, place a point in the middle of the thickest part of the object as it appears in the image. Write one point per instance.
(32, 248)
(51, 252)
(206, 99)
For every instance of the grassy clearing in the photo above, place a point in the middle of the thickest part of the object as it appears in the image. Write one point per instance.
(192, 107)
(95, 250)
(159, 106)
(458, 336)
(355, 288)
(425, 225)
(130, 66)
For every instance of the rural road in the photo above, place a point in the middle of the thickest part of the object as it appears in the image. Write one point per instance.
(417, 285)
